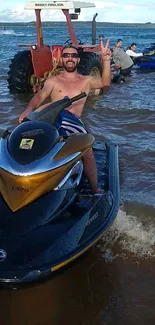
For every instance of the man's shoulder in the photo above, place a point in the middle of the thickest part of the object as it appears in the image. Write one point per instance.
(116, 51)
(85, 77)
(129, 51)
(53, 79)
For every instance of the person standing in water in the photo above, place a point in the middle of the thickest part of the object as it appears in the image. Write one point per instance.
(131, 51)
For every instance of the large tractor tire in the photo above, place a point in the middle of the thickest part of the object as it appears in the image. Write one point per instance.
(90, 64)
(20, 71)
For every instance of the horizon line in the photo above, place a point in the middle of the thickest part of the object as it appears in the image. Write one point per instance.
(83, 21)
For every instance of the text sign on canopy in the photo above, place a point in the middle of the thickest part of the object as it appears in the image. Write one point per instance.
(58, 5)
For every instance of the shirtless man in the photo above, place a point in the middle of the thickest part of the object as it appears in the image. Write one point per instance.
(70, 83)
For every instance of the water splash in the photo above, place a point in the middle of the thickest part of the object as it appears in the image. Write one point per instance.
(11, 32)
(129, 236)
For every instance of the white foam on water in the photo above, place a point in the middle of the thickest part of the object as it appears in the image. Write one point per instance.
(11, 32)
(127, 236)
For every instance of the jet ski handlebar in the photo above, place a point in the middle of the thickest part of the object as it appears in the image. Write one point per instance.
(75, 98)
(52, 111)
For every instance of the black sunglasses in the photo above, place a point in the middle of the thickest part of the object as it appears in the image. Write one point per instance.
(72, 55)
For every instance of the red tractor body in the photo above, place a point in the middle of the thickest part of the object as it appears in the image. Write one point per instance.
(41, 60)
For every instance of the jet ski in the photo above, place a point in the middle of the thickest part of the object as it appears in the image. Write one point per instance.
(147, 61)
(48, 216)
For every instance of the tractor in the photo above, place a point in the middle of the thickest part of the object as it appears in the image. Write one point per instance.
(30, 68)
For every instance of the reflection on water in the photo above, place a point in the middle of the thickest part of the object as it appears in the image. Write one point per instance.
(91, 291)
(75, 296)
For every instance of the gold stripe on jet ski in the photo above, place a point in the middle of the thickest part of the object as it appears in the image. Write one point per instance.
(19, 191)
(57, 267)
(75, 143)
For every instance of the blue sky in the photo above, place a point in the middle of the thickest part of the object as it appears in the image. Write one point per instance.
(130, 11)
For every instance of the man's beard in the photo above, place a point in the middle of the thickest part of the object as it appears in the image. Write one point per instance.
(69, 69)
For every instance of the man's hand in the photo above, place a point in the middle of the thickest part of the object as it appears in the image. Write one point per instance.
(106, 52)
(38, 98)
(117, 66)
(23, 115)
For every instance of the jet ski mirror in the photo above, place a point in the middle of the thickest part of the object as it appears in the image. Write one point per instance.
(51, 112)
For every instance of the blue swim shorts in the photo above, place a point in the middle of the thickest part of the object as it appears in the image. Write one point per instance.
(69, 123)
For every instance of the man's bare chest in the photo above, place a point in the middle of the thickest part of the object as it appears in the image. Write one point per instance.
(69, 88)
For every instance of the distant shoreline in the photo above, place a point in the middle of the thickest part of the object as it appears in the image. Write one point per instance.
(84, 24)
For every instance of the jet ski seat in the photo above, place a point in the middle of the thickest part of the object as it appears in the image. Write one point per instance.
(31, 141)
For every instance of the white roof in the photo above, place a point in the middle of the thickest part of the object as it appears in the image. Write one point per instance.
(57, 5)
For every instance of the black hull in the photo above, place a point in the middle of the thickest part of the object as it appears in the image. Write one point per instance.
(41, 251)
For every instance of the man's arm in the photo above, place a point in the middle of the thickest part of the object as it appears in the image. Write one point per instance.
(39, 98)
(96, 83)
(105, 80)
(133, 54)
